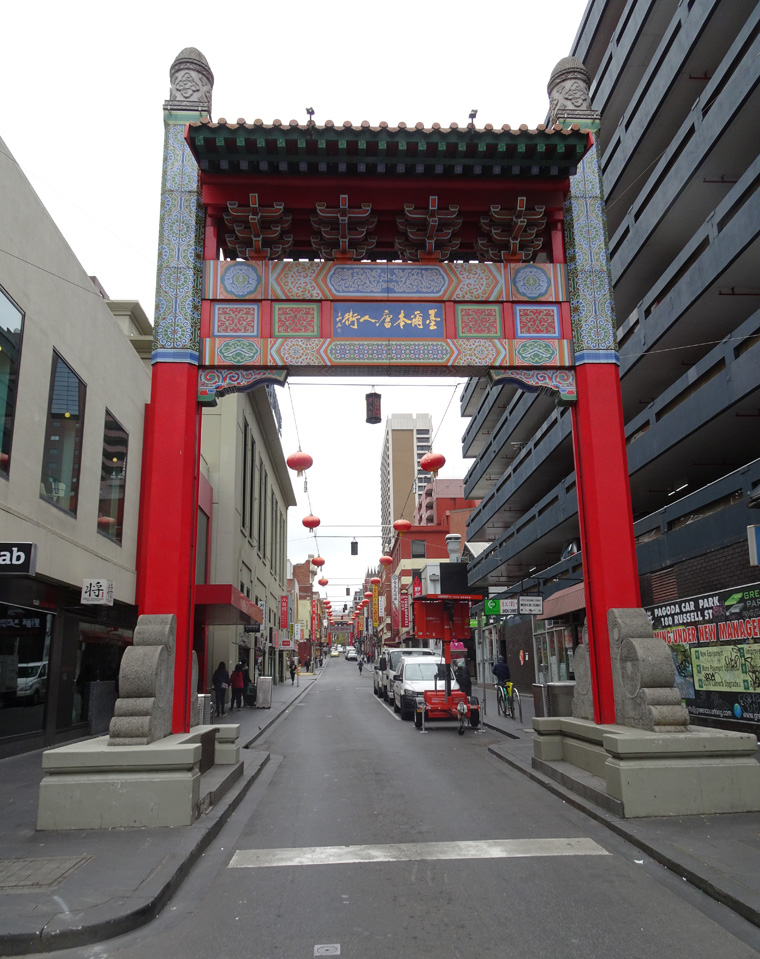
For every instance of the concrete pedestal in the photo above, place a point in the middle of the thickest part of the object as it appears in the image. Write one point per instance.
(91, 785)
(696, 772)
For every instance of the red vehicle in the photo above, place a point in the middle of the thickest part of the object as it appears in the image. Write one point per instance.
(445, 617)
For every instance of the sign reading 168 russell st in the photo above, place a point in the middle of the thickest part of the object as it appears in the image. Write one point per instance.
(18, 558)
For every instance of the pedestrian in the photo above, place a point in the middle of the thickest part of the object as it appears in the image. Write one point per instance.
(237, 683)
(246, 683)
(292, 671)
(220, 681)
(360, 664)
(462, 676)
(307, 664)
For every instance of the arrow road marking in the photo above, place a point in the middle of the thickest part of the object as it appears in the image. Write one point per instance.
(402, 852)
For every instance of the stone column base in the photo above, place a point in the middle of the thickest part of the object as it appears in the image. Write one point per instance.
(695, 772)
(91, 785)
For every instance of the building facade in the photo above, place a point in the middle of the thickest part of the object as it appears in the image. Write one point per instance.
(73, 396)
(406, 439)
(677, 88)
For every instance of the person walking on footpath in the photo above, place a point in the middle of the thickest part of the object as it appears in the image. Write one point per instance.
(292, 671)
(220, 681)
(462, 676)
(237, 683)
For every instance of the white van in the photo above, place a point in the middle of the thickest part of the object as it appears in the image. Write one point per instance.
(383, 679)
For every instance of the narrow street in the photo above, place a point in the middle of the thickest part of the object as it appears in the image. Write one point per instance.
(524, 874)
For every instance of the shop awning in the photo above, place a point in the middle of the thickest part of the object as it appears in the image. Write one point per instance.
(564, 601)
(220, 604)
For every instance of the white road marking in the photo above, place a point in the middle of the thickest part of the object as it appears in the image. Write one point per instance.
(419, 851)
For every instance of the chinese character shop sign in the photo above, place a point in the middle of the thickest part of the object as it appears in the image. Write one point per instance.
(97, 592)
(283, 612)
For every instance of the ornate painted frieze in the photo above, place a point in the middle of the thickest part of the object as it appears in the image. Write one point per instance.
(213, 383)
(474, 355)
(561, 382)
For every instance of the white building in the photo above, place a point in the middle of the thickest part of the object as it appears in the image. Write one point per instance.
(72, 399)
(406, 440)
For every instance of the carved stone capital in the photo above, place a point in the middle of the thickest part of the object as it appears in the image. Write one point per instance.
(192, 83)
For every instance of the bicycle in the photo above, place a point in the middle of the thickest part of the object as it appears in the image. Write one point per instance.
(508, 700)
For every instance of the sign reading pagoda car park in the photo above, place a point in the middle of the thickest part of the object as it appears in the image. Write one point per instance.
(18, 558)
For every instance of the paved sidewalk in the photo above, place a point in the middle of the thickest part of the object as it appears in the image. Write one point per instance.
(718, 854)
(72, 888)
(63, 889)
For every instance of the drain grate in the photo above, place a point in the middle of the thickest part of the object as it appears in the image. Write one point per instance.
(35, 874)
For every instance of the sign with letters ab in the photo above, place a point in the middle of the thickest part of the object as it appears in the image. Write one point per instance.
(18, 558)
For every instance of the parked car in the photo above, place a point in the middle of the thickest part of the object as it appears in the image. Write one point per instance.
(334, 652)
(31, 682)
(414, 676)
(350, 653)
(383, 679)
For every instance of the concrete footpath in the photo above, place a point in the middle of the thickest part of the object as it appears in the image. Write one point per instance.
(718, 854)
(72, 888)
(67, 889)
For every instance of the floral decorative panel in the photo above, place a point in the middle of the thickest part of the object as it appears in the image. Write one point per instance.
(537, 321)
(235, 320)
(295, 319)
(477, 320)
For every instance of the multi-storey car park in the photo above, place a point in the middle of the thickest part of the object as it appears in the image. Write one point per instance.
(677, 87)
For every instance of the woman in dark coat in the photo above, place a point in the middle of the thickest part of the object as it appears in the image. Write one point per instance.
(220, 681)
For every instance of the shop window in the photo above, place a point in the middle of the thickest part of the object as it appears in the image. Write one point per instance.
(25, 637)
(11, 327)
(113, 478)
(62, 455)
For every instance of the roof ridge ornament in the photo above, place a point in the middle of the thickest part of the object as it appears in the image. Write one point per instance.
(569, 96)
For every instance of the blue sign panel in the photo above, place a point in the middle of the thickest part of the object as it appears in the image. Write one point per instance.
(387, 321)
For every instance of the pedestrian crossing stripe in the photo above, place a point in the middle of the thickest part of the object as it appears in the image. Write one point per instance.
(415, 851)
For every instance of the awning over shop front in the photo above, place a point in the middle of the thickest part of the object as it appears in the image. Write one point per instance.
(220, 604)
(564, 601)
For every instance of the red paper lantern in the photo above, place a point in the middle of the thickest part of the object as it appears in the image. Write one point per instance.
(368, 596)
(317, 561)
(311, 522)
(299, 461)
(386, 560)
(432, 462)
(375, 581)
(402, 526)
(323, 581)
(106, 522)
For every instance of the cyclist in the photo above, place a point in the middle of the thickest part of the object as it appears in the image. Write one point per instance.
(501, 671)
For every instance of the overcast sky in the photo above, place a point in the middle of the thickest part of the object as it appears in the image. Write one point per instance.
(83, 87)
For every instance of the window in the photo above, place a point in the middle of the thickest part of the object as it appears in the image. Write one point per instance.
(11, 326)
(59, 482)
(246, 477)
(251, 489)
(113, 479)
(418, 549)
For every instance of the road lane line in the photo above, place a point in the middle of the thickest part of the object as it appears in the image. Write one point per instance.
(419, 851)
